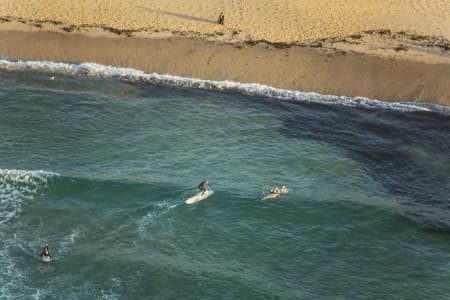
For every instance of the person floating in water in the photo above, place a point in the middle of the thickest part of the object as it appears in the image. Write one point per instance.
(221, 19)
(274, 190)
(202, 186)
(277, 190)
(46, 252)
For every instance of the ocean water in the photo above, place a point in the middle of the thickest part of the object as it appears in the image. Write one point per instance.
(99, 166)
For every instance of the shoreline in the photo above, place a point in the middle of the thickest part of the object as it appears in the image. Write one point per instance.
(333, 67)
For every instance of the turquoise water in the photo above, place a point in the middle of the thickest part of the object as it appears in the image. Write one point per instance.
(100, 170)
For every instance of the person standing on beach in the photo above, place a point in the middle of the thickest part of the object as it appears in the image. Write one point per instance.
(221, 20)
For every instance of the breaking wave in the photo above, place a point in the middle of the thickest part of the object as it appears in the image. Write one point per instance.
(17, 186)
(128, 74)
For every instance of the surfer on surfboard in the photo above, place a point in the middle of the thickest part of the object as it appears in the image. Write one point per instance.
(277, 190)
(202, 186)
(204, 193)
(46, 253)
(274, 192)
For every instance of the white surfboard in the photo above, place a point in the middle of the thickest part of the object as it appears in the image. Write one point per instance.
(272, 196)
(46, 258)
(199, 197)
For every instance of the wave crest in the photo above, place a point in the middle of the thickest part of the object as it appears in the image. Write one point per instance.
(16, 186)
(128, 74)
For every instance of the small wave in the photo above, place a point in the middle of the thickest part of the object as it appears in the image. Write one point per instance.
(70, 239)
(114, 285)
(128, 74)
(158, 210)
(33, 178)
(17, 186)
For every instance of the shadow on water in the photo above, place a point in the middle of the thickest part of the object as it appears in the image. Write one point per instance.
(178, 15)
(382, 141)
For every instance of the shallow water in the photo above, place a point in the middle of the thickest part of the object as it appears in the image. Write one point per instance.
(100, 169)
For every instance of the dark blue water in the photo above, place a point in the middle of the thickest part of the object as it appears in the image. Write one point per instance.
(100, 170)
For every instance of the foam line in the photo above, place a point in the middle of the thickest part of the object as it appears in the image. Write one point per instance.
(17, 186)
(127, 74)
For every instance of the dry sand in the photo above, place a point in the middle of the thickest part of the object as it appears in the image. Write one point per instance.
(274, 20)
(383, 49)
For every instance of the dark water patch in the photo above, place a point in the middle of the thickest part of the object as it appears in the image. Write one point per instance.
(382, 142)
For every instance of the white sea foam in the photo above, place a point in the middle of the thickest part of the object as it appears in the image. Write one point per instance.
(115, 284)
(69, 239)
(17, 186)
(127, 74)
(159, 209)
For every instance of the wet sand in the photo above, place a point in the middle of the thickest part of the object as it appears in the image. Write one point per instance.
(401, 53)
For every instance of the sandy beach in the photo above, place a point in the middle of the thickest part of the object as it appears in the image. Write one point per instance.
(387, 50)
